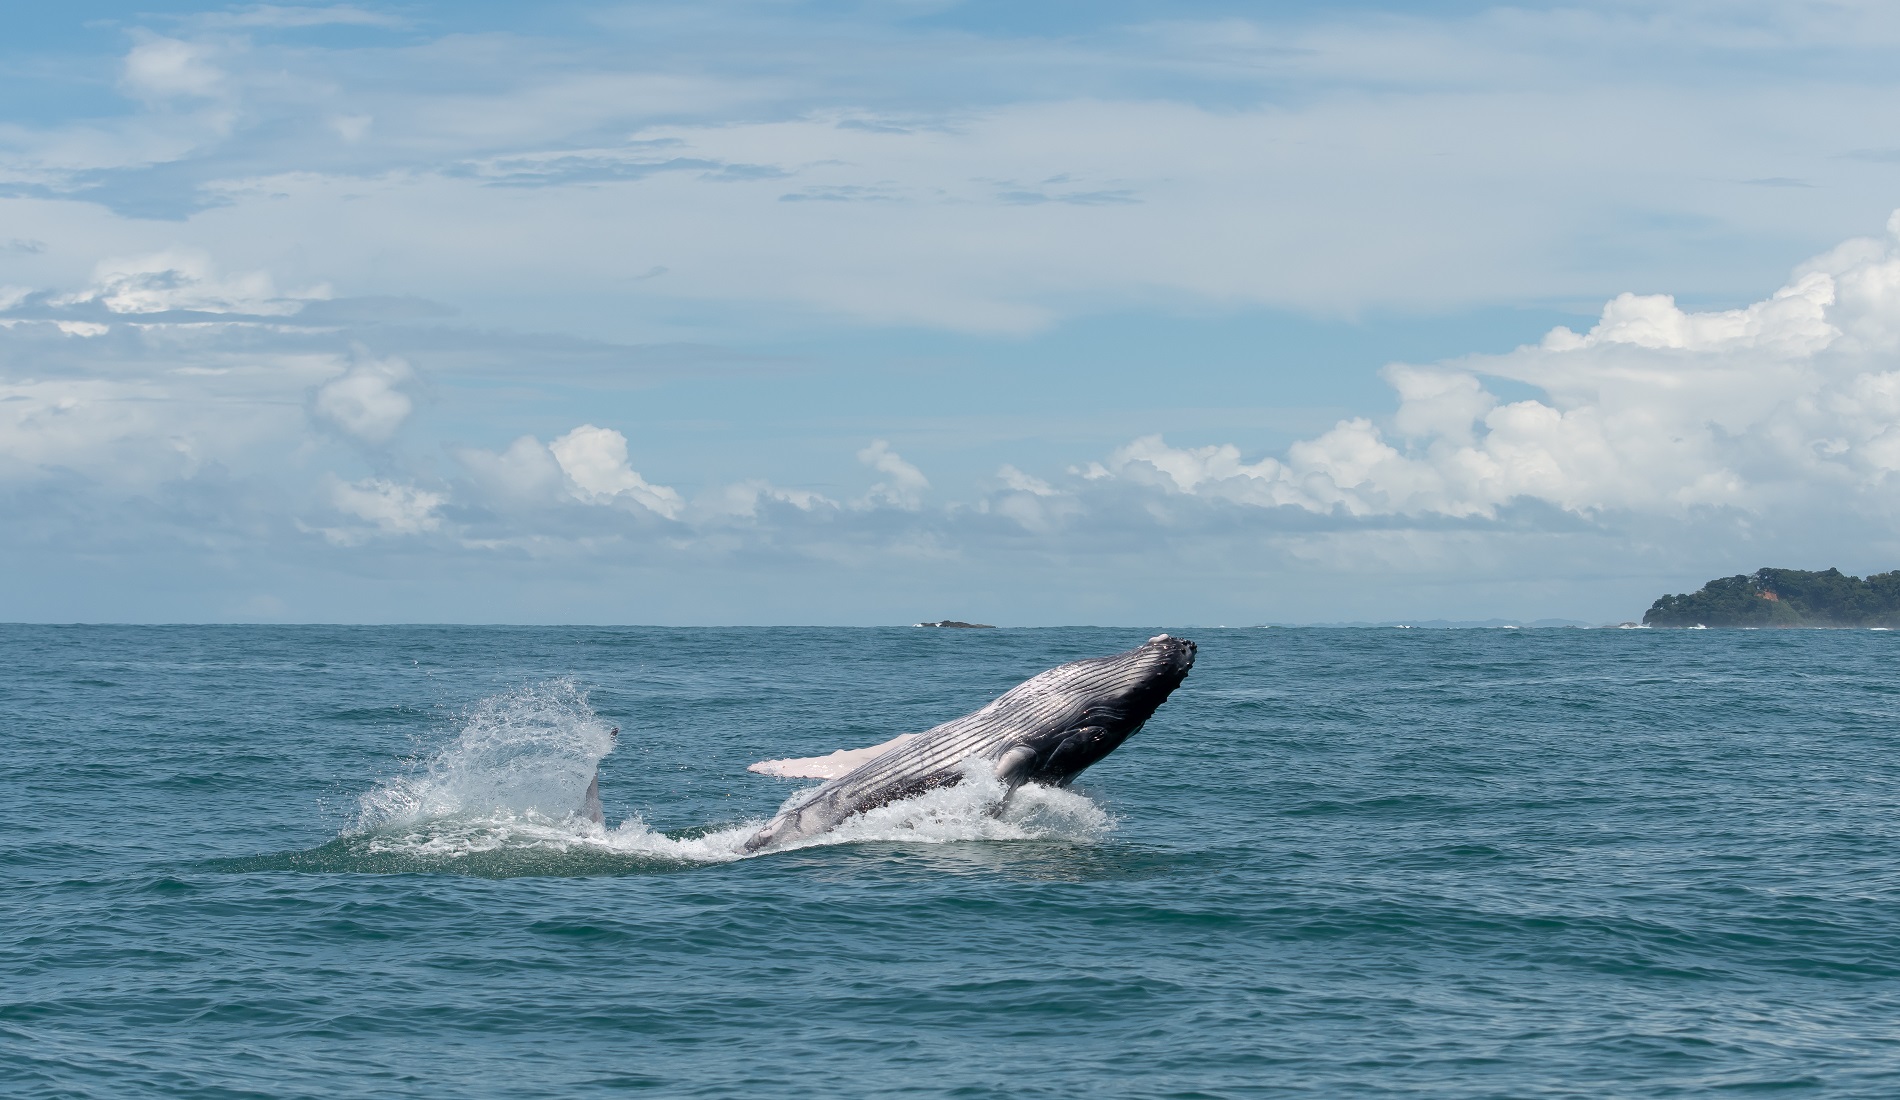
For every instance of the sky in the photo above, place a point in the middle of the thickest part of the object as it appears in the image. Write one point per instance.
(879, 312)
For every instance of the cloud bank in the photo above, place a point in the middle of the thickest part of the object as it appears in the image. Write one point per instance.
(319, 289)
(888, 184)
(1653, 410)
(1776, 424)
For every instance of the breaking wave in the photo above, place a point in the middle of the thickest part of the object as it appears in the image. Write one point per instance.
(509, 796)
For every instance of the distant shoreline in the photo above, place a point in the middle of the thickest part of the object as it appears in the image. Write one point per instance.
(1783, 599)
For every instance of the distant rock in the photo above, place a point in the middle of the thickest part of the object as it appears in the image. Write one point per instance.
(952, 623)
(1784, 598)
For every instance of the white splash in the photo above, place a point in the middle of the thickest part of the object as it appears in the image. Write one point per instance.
(969, 811)
(515, 781)
(529, 753)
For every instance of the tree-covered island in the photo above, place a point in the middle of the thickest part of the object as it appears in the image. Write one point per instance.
(1784, 597)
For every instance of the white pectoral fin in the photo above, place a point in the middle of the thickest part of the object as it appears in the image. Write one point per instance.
(590, 802)
(1009, 772)
(590, 807)
(1010, 765)
(826, 767)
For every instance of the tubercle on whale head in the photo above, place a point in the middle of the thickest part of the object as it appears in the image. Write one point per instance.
(1179, 651)
(1143, 679)
(779, 828)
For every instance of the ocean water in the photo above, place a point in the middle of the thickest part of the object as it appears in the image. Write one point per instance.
(322, 861)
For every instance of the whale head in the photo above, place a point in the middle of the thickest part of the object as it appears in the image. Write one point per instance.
(1075, 715)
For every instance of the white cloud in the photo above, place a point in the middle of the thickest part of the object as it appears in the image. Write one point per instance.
(162, 68)
(136, 433)
(1437, 403)
(1793, 321)
(281, 16)
(53, 425)
(592, 467)
(1791, 401)
(390, 507)
(524, 474)
(1016, 480)
(1032, 503)
(903, 485)
(186, 279)
(1526, 157)
(745, 498)
(1008, 210)
(595, 462)
(351, 128)
(365, 401)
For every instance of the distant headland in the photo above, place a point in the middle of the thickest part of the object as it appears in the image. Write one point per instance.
(1784, 598)
(960, 626)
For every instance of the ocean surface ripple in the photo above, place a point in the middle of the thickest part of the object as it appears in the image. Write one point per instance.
(352, 861)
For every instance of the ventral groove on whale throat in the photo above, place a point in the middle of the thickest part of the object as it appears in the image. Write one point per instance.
(1046, 730)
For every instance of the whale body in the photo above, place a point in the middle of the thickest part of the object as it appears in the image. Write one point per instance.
(1045, 730)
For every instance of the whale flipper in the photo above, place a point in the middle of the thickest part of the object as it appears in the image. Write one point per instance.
(590, 802)
(590, 807)
(830, 766)
(1012, 765)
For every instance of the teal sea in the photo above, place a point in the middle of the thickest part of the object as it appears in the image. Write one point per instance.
(331, 861)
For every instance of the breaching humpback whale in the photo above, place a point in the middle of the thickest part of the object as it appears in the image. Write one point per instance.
(1045, 730)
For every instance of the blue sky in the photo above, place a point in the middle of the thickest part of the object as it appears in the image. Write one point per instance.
(866, 313)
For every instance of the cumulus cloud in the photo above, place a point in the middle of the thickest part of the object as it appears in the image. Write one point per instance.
(595, 462)
(1785, 404)
(164, 68)
(1020, 482)
(590, 465)
(365, 400)
(1792, 399)
(390, 508)
(808, 185)
(526, 474)
(1032, 503)
(903, 485)
(746, 498)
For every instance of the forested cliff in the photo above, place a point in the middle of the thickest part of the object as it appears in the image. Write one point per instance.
(1784, 597)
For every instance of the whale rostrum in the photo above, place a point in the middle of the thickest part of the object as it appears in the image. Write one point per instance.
(1045, 730)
